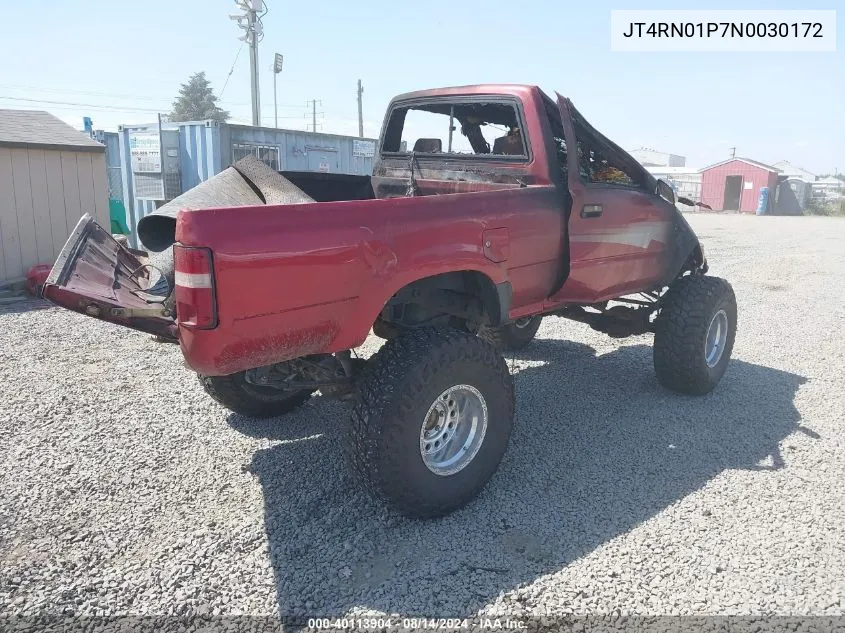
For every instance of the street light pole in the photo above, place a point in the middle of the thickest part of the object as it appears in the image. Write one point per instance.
(360, 110)
(277, 68)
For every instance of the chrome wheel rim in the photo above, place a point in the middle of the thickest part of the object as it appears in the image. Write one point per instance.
(524, 322)
(717, 337)
(453, 430)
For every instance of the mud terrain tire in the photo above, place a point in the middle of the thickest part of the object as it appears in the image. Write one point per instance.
(513, 336)
(683, 335)
(400, 396)
(254, 401)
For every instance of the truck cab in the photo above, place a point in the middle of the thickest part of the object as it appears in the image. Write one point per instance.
(625, 234)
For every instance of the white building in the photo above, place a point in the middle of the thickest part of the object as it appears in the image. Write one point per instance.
(829, 187)
(647, 157)
(685, 180)
(791, 171)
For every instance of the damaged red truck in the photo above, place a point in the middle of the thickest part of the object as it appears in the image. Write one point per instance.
(489, 208)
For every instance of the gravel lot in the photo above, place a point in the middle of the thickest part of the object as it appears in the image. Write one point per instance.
(125, 489)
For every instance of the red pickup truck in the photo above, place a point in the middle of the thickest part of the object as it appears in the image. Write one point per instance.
(489, 208)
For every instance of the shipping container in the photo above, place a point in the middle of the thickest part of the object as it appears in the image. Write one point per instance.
(158, 163)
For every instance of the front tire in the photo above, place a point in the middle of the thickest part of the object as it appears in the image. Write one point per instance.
(431, 421)
(694, 334)
(513, 336)
(255, 401)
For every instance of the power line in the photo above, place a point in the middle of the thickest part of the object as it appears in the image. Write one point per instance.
(73, 91)
(105, 107)
(102, 106)
(231, 70)
(126, 96)
(89, 93)
(81, 105)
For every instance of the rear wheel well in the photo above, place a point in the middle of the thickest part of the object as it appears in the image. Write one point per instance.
(464, 299)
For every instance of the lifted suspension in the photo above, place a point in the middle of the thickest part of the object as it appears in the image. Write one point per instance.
(333, 374)
(618, 321)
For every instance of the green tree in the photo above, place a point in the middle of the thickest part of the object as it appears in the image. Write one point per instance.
(197, 102)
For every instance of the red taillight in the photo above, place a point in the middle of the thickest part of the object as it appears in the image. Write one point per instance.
(196, 305)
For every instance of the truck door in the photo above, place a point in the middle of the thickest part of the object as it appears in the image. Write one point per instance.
(480, 147)
(619, 230)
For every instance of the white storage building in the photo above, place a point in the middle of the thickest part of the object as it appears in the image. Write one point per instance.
(647, 157)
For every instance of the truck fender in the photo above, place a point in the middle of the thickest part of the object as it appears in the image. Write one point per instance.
(686, 251)
(494, 297)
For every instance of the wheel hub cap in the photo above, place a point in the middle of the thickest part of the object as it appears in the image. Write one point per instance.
(453, 429)
(717, 336)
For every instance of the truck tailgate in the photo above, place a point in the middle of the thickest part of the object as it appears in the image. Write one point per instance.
(96, 276)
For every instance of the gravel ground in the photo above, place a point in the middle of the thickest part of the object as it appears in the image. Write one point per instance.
(126, 490)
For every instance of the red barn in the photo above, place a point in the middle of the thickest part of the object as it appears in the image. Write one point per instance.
(735, 184)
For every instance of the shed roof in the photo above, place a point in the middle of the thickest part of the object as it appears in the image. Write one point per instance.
(755, 163)
(786, 167)
(665, 169)
(36, 128)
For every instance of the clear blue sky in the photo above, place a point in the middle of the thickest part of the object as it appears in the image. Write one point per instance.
(133, 56)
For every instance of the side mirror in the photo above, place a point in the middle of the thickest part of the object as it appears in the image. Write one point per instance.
(665, 191)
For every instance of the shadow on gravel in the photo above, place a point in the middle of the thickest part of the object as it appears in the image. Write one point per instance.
(598, 447)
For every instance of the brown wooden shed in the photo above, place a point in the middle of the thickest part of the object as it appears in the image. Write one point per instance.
(50, 174)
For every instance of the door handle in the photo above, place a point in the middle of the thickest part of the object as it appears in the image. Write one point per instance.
(591, 210)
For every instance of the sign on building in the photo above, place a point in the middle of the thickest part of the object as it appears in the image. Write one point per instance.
(363, 149)
(145, 152)
(156, 175)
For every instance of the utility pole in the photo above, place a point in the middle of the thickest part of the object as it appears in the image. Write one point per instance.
(360, 110)
(254, 85)
(250, 22)
(733, 152)
(314, 103)
(312, 106)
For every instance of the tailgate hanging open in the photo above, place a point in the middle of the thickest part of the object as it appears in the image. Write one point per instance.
(97, 276)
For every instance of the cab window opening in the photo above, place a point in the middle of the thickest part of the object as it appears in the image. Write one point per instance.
(456, 129)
